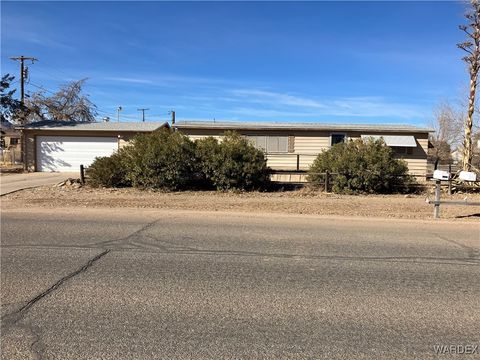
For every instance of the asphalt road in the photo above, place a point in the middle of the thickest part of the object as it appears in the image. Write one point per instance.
(145, 284)
(14, 182)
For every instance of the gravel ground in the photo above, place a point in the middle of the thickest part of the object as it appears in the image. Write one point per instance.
(302, 201)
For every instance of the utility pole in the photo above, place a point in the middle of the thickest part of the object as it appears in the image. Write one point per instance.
(23, 143)
(22, 73)
(118, 113)
(143, 113)
(173, 116)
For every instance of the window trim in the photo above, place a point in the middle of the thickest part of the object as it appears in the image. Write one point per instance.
(283, 151)
(14, 141)
(338, 133)
(407, 150)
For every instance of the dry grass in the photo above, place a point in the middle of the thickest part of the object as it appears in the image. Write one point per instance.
(305, 201)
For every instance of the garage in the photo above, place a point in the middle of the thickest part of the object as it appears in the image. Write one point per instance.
(62, 146)
(67, 153)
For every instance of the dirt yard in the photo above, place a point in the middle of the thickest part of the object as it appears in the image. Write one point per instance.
(291, 202)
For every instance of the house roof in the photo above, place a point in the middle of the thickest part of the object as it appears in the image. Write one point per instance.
(95, 126)
(8, 128)
(227, 125)
(10, 132)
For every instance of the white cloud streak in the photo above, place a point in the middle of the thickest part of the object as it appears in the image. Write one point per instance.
(129, 80)
(361, 106)
(262, 96)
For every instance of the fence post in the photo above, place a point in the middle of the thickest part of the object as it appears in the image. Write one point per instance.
(449, 179)
(436, 208)
(82, 174)
(327, 175)
(298, 162)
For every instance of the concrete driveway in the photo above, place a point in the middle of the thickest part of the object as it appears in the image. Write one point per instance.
(14, 182)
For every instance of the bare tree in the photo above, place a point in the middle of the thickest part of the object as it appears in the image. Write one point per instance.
(447, 124)
(67, 104)
(472, 47)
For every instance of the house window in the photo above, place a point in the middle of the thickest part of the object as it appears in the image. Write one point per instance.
(337, 139)
(13, 141)
(402, 150)
(270, 144)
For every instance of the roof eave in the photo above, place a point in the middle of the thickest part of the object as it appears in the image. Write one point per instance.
(76, 129)
(296, 128)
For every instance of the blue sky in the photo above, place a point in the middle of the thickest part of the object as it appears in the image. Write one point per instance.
(350, 62)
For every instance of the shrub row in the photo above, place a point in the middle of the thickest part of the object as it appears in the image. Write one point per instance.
(171, 161)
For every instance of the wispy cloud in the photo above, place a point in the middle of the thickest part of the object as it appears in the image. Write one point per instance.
(268, 113)
(128, 80)
(276, 98)
(362, 106)
(31, 30)
(44, 40)
(229, 99)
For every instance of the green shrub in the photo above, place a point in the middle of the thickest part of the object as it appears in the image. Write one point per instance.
(161, 160)
(108, 171)
(206, 151)
(361, 167)
(233, 163)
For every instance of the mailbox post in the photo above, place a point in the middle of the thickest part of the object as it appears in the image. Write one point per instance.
(439, 175)
(436, 207)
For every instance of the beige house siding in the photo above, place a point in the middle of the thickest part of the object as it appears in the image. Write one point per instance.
(282, 161)
(30, 147)
(311, 143)
(304, 146)
(7, 140)
(289, 177)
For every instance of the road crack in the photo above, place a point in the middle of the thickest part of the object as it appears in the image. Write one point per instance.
(472, 252)
(125, 241)
(11, 319)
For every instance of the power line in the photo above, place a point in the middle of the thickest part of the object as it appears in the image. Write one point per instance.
(42, 88)
(50, 74)
(57, 70)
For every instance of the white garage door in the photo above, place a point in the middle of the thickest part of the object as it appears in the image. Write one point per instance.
(67, 153)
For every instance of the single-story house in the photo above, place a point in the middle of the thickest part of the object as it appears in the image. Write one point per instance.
(9, 137)
(63, 145)
(290, 147)
(10, 146)
(294, 146)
